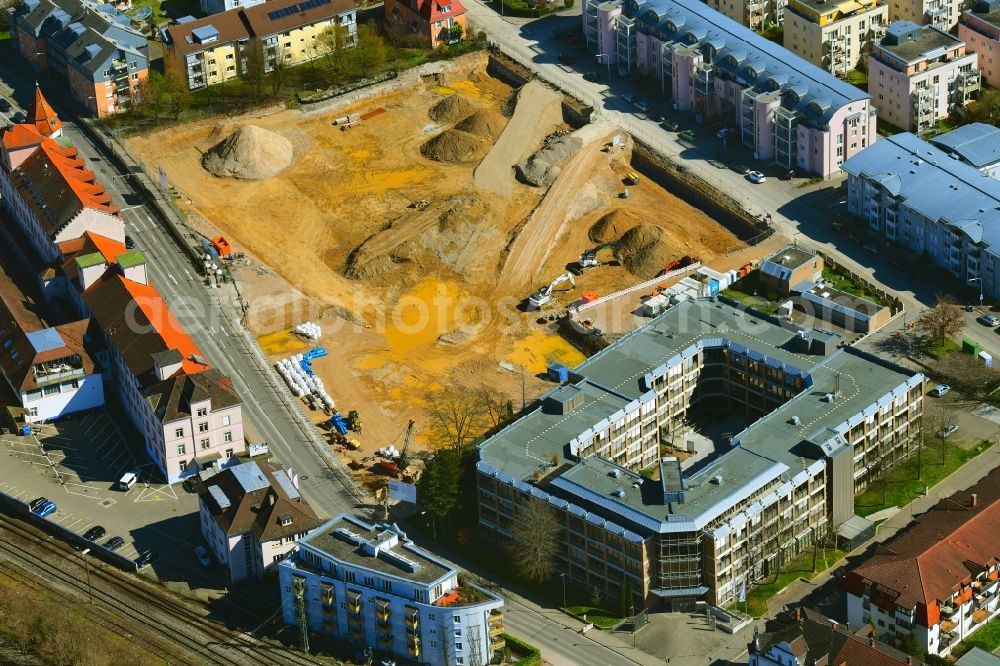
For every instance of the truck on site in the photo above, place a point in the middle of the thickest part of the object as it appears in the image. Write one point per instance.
(631, 178)
(354, 420)
(589, 258)
(544, 294)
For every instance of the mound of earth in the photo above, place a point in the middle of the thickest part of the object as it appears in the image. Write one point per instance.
(486, 123)
(542, 168)
(612, 225)
(249, 153)
(450, 109)
(456, 147)
(645, 249)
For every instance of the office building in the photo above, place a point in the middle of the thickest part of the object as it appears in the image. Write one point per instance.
(834, 35)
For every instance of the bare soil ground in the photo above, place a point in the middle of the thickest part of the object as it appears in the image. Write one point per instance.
(411, 298)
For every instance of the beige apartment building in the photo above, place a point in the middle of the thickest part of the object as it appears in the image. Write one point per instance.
(754, 14)
(942, 14)
(834, 35)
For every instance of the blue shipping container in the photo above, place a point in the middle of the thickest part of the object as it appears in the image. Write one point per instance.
(713, 287)
(558, 372)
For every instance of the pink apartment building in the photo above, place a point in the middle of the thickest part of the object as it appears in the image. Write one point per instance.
(787, 110)
(980, 30)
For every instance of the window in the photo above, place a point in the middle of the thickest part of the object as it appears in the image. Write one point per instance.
(277, 558)
(227, 436)
(181, 449)
(229, 453)
(457, 619)
(349, 577)
(229, 56)
(135, 77)
(225, 420)
(458, 648)
(430, 617)
(203, 427)
(179, 432)
(203, 411)
(203, 443)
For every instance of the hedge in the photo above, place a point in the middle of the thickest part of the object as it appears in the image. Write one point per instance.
(528, 653)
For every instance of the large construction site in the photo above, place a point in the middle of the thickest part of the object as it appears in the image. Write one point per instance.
(413, 226)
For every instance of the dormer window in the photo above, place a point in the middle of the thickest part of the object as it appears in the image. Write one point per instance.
(284, 521)
(202, 411)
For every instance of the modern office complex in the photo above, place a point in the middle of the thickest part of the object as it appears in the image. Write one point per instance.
(929, 203)
(786, 110)
(938, 580)
(768, 434)
(920, 74)
(979, 28)
(834, 35)
(374, 587)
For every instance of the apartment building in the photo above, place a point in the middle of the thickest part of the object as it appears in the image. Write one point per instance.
(976, 144)
(807, 424)
(786, 110)
(47, 370)
(215, 49)
(754, 14)
(802, 637)
(372, 586)
(979, 28)
(942, 14)
(919, 74)
(90, 45)
(252, 515)
(938, 580)
(929, 204)
(209, 7)
(834, 35)
(436, 22)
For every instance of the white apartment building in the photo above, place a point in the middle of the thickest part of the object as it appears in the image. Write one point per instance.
(918, 75)
(252, 515)
(374, 587)
(834, 35)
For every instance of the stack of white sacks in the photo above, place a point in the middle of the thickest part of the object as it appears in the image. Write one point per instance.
(309, 330)
(300, 382)
(388, 452)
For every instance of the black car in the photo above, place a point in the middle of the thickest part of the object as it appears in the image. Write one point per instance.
(114, 543)
(36, 503)
(146, 558)
(94, 533)
(4, 104)
(566, 59)
(669, 125)
(19, 117)
(591, 76)
(129, 243)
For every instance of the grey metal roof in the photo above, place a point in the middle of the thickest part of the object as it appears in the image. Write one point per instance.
(766, 58)
(977, 144)
(978, 657)
(934, 184)
(250, 477)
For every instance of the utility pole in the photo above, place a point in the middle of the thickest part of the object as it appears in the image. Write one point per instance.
(524, 398)
(86, 562)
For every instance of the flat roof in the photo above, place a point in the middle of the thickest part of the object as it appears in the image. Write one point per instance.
(843, 6)
(791, 256)
(774, 445)
(931, 39)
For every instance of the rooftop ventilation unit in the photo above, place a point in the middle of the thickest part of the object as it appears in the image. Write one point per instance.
(717, 479)
(796, 420)
(828, 397)
(619, 492)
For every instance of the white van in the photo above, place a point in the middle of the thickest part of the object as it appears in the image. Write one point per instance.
(127, 481)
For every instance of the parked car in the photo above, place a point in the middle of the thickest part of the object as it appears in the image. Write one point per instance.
(741, 169)
(591, 76)
(129, 243)
(566, 59)
(202, 554)
(4, 104)
(19, 117)
(940, 390)
(670, 125)
(756, 177)
(988, 320)
(146, 558)
(629, 97)
(37, 502)
(46, 509)
(94, 533)
(114, 543)
(642, 105)
(687, 135)
(947, 431)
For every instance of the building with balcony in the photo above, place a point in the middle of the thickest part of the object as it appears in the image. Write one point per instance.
(979, 28)
(216, 48)
(372, 586)
(834, 35)
(942, 14)
(90, 45)
(786, 110)
(252, 515)
(930, 204)
(919, 74)
(436, 22)
(779, 429)
(754, 14)
(218, 6)
(976, 144)
(938, 580)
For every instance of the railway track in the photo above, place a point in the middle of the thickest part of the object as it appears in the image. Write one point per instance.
(196, 638)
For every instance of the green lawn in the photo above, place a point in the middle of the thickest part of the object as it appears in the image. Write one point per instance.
(800, 567)
(847, 285)
(856, 78)
(940, 349)
(902, 485)
(745, 290)
(987, 638)
(600, 617)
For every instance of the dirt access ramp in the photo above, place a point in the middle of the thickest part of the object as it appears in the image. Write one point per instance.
(537, 114)
(539, 234)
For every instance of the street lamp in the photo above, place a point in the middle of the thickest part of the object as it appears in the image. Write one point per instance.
(607, 61)
(86, 562)
(980, 281)
(562, 575)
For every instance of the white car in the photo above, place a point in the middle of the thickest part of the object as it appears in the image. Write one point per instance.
(756, 177)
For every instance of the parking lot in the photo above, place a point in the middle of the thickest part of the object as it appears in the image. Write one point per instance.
(76, 464)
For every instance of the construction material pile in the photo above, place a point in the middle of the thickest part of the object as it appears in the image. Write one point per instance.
(612, 225)
(300, 382)
(309, 330)
(249, 153)
(389, 452)
(645, 249)
(485, 123)
(542, 168)
(450, 109)
(467, 141)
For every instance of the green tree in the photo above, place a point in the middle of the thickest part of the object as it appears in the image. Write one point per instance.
(625, 600)
(438, 489)
(334, 43)
(253, 68)
(369, 54)
(278, 71)
(178, 95)
(150, 95)
(986, 109)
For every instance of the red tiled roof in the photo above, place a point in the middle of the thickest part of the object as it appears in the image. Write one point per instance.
(945, 549)
(88, 243)
(43, 117)
(20, 136)
(437, 10)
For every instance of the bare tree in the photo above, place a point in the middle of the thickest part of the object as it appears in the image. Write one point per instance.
(933, 423)
(535, 530)
(967, 373)
(456, 418)
(942, 321)
(497, 406)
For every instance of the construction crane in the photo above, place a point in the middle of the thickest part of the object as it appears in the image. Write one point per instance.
(544, 294)
(589, 258)
(404, 455)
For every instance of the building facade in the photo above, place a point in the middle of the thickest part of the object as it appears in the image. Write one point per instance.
(786, 110)
(252, 515)
(706, 531)
(979, 28)
(920, 74)
(942, 14)
(217, 48)
(754, 14)
(209, 7)
(939, 581)
(834, 35)
(374, 587)
(929, 204)
(435, 22)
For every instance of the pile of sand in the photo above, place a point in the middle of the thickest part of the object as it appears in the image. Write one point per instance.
(450, 109)
(645, 249)
(612, 225)
(456, 147)
(486, 123)
(542, 168)
(250, 153)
